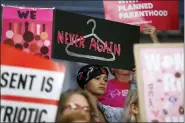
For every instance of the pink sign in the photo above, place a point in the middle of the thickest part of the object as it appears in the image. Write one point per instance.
(28, 29)
(163, 14)
(162, 80)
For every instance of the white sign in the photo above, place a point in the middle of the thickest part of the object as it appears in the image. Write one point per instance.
(29, 95)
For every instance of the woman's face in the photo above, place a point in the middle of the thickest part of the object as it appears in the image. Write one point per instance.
(123, 75)
(122, 72)
(77, 102)
(98, 85)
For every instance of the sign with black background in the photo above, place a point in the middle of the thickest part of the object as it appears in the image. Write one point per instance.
(111, 44)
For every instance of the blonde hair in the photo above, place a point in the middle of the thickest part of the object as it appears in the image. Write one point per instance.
(65, 97)
(132, 98)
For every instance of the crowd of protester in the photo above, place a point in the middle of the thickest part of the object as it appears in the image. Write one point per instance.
(93, 102)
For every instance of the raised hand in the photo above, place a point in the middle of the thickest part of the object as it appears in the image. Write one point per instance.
(151, 30)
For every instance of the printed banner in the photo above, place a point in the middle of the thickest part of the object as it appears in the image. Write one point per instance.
(163, 14)
(28, 29)
(160, 79)
(30, 87)
(94, 41)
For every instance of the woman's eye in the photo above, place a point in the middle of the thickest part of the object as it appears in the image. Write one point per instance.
(97, 78)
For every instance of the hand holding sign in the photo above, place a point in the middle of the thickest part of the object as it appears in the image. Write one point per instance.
(150, 30)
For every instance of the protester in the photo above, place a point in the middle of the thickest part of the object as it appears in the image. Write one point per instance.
(131, 108)
(74, 106)
(93, 79)
(117, 88)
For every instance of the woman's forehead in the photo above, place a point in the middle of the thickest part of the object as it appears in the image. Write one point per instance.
(78, 99)
(103, 75)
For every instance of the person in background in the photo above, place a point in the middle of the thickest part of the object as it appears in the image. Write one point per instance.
(74, 105)
(131, 108)
(117, 88)
(93, 79)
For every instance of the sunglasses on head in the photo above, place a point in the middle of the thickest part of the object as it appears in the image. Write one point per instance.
(76, 107)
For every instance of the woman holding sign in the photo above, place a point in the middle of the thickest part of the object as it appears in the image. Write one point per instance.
(93, 79)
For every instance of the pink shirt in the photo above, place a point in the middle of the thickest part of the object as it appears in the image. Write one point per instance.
(115, 94)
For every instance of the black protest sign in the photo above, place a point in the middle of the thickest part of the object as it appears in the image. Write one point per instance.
(91, 40)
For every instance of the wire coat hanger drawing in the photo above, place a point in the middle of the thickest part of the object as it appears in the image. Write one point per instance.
(89, 56)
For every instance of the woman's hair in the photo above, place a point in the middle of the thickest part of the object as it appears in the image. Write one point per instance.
(89, 72)
(132, 98)
(112, 71)
(65, 97)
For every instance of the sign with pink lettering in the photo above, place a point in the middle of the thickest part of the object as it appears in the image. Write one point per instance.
(28, 29)
(94, 41)
(163, 14)
(160, 79)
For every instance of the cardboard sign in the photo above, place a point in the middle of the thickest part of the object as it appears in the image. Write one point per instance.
(163, 14)
(160, 79)
(94, 41)
(30, 87)
(28, 29)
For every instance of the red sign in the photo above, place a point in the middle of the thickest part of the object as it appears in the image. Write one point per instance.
(163, 14)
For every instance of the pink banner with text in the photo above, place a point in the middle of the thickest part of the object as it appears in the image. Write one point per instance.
(163, 14)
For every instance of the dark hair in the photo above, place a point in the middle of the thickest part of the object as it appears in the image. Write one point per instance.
(65, 97)
(89, 72)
